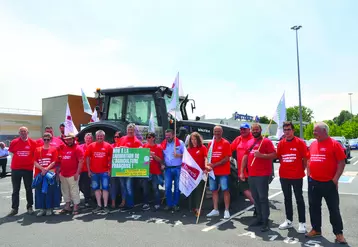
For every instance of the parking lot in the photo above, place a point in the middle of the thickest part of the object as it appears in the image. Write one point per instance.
(174, 229)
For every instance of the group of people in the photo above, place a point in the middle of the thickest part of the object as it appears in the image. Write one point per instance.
(64, 168)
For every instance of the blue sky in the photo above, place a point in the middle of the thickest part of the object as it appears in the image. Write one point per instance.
(231, 55)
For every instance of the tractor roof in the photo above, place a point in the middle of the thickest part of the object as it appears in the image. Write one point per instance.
(133, 89)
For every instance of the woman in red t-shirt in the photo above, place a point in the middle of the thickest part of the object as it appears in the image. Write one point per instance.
(85, 181)
(199, 153)
(45, 159)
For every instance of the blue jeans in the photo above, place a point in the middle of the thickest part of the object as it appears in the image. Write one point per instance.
(127, 191)
(115, 187)
(172, 174)
(222, 180)
(154, 181)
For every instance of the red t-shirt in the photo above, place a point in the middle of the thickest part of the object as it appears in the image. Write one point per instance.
(70, 159)
(221, 149)
(155, 165)
(199, 154)
(129, 142)
(291, 154)
(84, 167)
(100, 155)
(240, 145)
(44, 157)
(324, 158)
(260, 167)
(23, 154)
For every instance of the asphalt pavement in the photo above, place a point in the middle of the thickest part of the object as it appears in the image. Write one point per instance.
(149, 228)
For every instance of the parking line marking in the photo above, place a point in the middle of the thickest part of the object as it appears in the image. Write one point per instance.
(355, 163)
(237, 214)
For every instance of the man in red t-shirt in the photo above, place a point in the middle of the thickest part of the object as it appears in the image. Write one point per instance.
(155, 170)
(129, 141)
(70, 169)
(99, 160)
(326, 165)
(220, 163)
(292, 153)
(22, 165)
(240, 146)
(258, 159)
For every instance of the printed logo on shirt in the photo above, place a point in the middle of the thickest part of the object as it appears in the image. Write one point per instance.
(220, 147)
(323, 149)
(293, 149)
(27, 147)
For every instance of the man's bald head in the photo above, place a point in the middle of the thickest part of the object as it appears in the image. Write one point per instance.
(218, 132)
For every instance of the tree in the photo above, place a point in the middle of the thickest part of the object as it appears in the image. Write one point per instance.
(308, 131)
(264, 120)
(349, 129)
(293, 114)
(342, 117)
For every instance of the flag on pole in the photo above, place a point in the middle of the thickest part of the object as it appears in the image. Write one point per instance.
(173, 102)
(69, 125)
(280, 116)
(190, 174)
(94, 117)
(151, 127)
(86, 104)
(210, 155)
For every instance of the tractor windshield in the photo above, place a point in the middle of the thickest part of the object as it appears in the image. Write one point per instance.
(139, 109)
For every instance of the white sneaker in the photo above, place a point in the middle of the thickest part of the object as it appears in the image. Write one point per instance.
(213, 213)
(285, 225)
(226, 214)
(48, 212)
(40, 213)
(302, 228)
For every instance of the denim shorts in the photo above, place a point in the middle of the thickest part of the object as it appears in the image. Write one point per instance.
(222, 180)
(100, 180)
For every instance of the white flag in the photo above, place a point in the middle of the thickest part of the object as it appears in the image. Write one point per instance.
(69, 125)
(190, 174)
(86, 104)
(173, 102)
(210, 155)
(151, 127)
(280, 116)
(94, 117)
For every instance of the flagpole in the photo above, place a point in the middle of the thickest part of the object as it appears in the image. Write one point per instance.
(202, 199)
(267, 128)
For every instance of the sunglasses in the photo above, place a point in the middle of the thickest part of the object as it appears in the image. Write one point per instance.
(287, 129)
(117, 137)
(149, 137)
(46, 140)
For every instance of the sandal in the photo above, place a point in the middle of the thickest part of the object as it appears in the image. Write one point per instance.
(65, 211)
(75, 212)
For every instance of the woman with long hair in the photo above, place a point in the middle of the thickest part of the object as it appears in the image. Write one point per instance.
(199, 153)
(47, 189)
(85, 181)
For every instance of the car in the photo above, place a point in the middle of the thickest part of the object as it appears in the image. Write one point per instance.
(353, 143)
(346, 150)
(309, 142)
(344, 141)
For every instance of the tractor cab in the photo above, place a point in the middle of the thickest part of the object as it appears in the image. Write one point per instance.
(118, 107)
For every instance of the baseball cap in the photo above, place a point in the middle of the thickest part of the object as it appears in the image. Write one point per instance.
(69, 136)
(244, 126)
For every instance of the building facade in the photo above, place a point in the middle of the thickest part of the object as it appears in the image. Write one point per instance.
(54, 111)
(12, 119)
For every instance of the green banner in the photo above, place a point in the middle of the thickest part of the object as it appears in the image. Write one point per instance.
(130, 162)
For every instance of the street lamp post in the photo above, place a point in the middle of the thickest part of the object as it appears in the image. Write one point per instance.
(296, 28)
(350, 102)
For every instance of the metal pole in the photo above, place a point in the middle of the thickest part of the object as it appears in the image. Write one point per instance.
(296, 28)
(350, 100)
